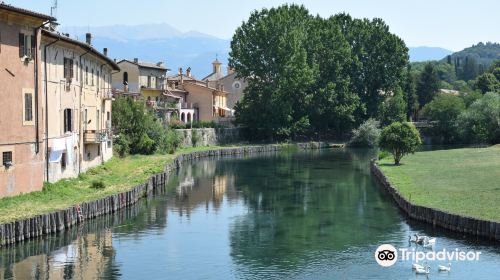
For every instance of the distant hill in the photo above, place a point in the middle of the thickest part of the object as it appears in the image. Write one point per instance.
(484, 54)
(418, 54)
(157, 42)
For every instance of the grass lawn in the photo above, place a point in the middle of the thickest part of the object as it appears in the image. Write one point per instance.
(460, 181)
(118, 175)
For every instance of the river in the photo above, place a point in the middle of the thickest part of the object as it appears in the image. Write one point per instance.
(287, 215)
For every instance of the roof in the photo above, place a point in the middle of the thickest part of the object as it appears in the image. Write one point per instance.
(204, 85)
(145, 64)
(178, 78)
(7, 7)
(214, 76)
(83, 45)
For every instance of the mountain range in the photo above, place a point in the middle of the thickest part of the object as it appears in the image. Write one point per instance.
(162, 42)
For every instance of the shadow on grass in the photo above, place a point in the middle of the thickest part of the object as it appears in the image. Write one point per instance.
(390, 164)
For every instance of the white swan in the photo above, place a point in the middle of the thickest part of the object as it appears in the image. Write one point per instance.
(416, 266)
(425, 270)
(429, 241)
(420, 238)
(412, 240)
(445, 268)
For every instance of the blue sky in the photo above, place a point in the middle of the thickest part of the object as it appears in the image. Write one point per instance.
(441, 23)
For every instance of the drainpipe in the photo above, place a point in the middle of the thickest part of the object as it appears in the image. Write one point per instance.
(47, 108)
(80, 136)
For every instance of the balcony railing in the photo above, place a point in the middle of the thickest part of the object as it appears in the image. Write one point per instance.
(96, 136)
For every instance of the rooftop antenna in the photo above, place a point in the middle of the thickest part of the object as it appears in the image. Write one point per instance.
(53, 9)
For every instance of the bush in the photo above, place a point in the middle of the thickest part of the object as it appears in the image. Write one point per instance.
(195, 138)
(97, 184)
(121, 145)
(444, 111)
(366, 135)
(172, 142)
(399, 139)
(383, 154)
(481, 122)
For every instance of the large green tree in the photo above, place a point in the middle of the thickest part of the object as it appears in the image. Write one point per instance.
(427, 85)
(379, 58)
(399, 139)
(444, 111)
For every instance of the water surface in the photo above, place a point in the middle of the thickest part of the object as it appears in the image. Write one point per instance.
(303, 215)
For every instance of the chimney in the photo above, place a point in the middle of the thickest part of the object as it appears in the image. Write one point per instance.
(88, 38)
(230, 70)
(159, 64)
(105, 51)
(180, 74)
(136, 60)
(188, 72)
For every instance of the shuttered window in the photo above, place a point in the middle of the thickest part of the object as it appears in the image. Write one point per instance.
(28, 107)
(22, 45)
(68, 68)
(6, 158)
(68, 120)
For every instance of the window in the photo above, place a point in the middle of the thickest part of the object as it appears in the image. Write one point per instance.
(98, 78)
(98, 150)
(63, 161)
(86, 75)
(125, 78)
(85, 116)
(68, 68)
(7, 159)
(76, 68)
(68, 120)
(92, 77)
(28, 107)
(27, 45)
(149, 81)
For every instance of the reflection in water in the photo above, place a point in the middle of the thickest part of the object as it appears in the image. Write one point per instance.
(305, 215)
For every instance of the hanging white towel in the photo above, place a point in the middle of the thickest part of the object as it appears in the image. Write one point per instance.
(58, 144)
(69, 149)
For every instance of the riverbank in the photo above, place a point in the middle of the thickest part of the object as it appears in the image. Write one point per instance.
(456, 189)
(69, 202)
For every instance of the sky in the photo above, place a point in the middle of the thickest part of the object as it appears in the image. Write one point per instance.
(450, 24)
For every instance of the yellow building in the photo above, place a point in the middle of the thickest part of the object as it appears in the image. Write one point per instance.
(77, 104)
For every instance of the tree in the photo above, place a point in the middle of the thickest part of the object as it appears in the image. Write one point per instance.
(487, 82)
(481, 121)
(399, 139)
(379, 59)
(410, 91)
(394, 108)
(427, 85)
(444, 111)
(366, 135)
(470, 69)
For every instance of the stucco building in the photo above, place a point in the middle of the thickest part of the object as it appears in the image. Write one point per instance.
(21, 119)
(233, 86)
(77, 88)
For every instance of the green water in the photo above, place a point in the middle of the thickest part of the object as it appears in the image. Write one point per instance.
(303, 215)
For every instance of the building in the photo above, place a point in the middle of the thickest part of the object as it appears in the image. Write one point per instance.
(206, 102)
(146, 81)
(77, 88)
(21, 119)
(232, 85)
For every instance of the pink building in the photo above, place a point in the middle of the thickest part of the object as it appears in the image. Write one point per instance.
(21, 118)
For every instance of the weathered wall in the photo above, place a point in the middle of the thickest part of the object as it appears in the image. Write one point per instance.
(467, 225)
(208, 136)
(18, 231)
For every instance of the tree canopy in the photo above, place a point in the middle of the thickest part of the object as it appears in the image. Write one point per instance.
(309, 73)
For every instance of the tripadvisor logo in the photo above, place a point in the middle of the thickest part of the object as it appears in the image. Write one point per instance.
(386, 255)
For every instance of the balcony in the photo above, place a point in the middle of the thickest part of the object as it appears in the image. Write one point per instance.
(107, 95)
(185, 105)
(96, 136)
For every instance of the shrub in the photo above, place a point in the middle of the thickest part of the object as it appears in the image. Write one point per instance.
(366, 135)
(195, 138)
(383, 154)
(444, 111)
(172, 141)
(121, 145)
(399, 139)
(97, 184)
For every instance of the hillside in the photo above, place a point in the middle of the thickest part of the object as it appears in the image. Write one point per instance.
(484, 54)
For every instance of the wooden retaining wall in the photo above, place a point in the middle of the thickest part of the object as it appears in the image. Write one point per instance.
(18, 231)
(453, 222)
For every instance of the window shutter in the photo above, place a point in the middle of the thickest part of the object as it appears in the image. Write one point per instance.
(71, 68)
(21, 44)
(33, 46)
(65, 71)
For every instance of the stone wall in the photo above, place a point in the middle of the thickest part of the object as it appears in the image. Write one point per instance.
(208, 136)
(40, 225)
(453, 222)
